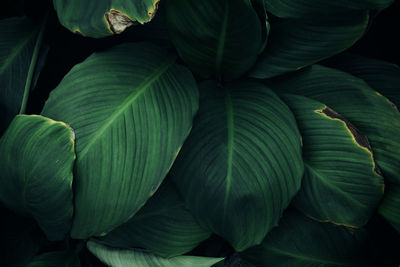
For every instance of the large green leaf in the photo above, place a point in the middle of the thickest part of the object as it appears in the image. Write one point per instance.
(294, 44)
(131, 108)
(103, 17)
(57, 258)
(341, 183)
(164, 226)
(211, 39)
(20, 44)
(36, 162)
(302, 242)
(366, 109)
(390, 206)
(241, 164)
(382, 76)
(320, 8)
(137, 258)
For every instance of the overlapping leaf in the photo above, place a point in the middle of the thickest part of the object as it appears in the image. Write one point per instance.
(367, 110)
(131, 108)
(341, 183)
(294, 44)
(104, 17)
(300, 241)
(241, 164)
(36, 159)
(211, 39)
(20, 44)
(390, 207)
(137, 258)
(164, 226)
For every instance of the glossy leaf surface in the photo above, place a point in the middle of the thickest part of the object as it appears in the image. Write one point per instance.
(131, 108)
(36, 159)
(211, 39)
(341, 182)
(163, 226)
(137, 258)
(241, 164)
(104, 17)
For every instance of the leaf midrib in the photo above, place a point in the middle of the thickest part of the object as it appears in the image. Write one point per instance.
(222, 39)
(125, 104)
(230, 143)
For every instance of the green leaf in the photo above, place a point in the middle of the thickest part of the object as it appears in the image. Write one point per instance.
(241, 164)
(341, 183)
(211, 39)
(390, 206)
(57, 258)
(131, 108)
(20, 45)
(163, 226)
(321, 8)
(21, 239)
(294, 44)
(300, 241)
(36, 159)
(137, 258)
(366, 109)
(104, 17)
(382, 76)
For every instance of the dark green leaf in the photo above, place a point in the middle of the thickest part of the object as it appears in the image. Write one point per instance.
(241, 164)
(132, 108)
(390, 207)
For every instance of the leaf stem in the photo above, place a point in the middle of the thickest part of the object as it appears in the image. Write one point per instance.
(32, 65)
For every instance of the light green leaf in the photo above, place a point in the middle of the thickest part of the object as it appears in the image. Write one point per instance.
(137, 258)
(300, 241)
(241, 164)
(36, 159)
(163, 226)
(321, 8)
(367, 110)
(341, 183)
(294, 44)
(390, 206)
(131, 108)
(103, 17)
(20, 45)
(57, 258)
(211, 39)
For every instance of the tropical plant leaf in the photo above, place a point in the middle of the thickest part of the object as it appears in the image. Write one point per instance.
(105, 17)
(21, 239)
(57, 258)
(390, 206)
(36, 159)
(382, 76)
(241, 164)
(131, 108)
(294, 44)
(20, 45)
(321, 8)
(163, 226)
(341, 182)
(367, 110)
(137, 258)
(300, 241)
(211, 39)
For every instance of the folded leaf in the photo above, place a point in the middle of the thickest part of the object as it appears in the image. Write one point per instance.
(103, 17)
(163, 226)
(241, 165)
(367, 110)
(294, 44)
(211, 39)
(341, 183)
(300, 241)
(131, 108)
(137, 258)
(36, 159)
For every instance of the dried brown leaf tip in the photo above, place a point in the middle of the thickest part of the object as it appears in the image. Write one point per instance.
(118, 21)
